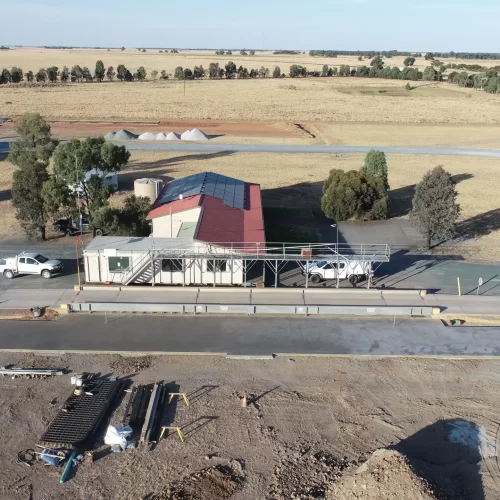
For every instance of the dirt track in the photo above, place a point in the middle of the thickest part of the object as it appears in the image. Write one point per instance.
(78, 129)
(311, 424)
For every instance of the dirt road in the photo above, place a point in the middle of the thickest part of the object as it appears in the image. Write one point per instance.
(308, 420)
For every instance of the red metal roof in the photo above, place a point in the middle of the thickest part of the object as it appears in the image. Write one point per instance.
(220, 223)
(174, 207)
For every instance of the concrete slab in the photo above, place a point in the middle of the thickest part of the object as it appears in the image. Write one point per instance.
(166, 297)
(343, 299)
(98, 296)
(278, 297)
(226, 297)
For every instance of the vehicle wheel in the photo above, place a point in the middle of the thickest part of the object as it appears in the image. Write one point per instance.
(99, 232)
(353, 280)
(8, 274)
(315, 279)
(46, 274)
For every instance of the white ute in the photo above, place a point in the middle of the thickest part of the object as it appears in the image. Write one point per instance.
(30, 263)
(353, 270)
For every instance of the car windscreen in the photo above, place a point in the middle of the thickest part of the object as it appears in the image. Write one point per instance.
(321, 263)
(41, 259)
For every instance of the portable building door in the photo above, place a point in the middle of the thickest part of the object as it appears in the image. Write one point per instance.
(92, 268)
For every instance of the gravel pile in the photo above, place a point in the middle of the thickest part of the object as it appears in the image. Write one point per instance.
(110, 136)
(147, 136)
(160, 137)
(194, 135)
(172, 136)
(124, 135)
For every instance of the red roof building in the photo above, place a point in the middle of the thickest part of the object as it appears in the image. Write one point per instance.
(210, 208)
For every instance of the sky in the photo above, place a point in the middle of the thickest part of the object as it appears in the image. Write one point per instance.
(405, 25)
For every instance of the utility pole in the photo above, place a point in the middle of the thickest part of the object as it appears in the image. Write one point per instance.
(337, 250)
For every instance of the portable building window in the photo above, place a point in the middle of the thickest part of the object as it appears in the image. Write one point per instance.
(172, 265)
(118, 264)
(216, 265)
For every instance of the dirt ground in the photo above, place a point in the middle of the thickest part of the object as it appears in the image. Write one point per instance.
(297, 101)
(309, 431)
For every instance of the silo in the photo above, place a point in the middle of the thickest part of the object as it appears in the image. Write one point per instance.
(148, 188)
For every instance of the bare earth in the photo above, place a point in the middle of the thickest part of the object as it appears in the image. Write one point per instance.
(312, 426)
(291, 100)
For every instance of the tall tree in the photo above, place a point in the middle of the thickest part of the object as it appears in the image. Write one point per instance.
(86, 74)
(121, 72)
(29, 76)
(31, 155)
(99, 71)
(65, 74)
(141, 73)
(154, 74)
(376, 166)
(230, 69)
(41, 75)
(52, 73)
(377, 62)
(16, 74)
(435, 209)
(127, 221)
(110, 73)
(5, 76)
(78, 163)
(179, 73)
(277, 72)
(28, 201)
(213, 70)
(35, 144)
(76, 73)
(352, 194)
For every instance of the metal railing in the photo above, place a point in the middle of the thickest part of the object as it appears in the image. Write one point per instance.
(276, 251)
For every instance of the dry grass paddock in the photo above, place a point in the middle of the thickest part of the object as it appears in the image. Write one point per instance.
(33, 58)
(296, 180)
(297, 100)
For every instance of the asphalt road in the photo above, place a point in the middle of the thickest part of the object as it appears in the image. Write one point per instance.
(290, 148)
(245, 336)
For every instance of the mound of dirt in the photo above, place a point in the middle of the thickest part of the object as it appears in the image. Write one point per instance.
(124, 135)
(160, 137)
(219, 482)
(304, 473)
(110, 136)
(133, 364)
(385, 475)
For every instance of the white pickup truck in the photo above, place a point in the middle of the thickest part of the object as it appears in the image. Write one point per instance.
(353, 270)
(30, 263)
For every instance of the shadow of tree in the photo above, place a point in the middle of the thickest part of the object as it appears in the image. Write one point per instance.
(479, 225)
(301, 195)
(161, 168)
(402, 198)
(448, 455)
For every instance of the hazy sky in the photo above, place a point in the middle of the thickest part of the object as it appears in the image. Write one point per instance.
(423, 25)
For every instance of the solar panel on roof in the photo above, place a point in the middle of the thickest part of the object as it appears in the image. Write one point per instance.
(230, 191)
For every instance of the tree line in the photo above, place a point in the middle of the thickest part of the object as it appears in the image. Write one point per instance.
(363, 195)
(488, 79)
(40, 195)
(394, 53)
